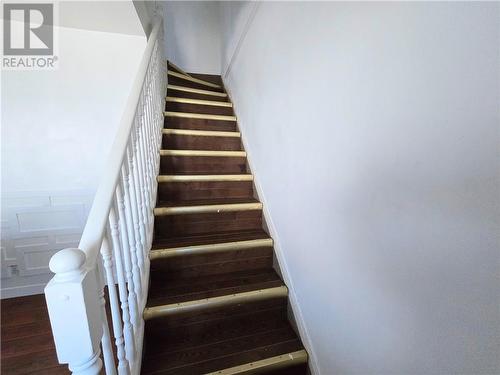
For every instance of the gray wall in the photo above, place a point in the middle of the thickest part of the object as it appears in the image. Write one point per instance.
(192, 35)
(373, 131)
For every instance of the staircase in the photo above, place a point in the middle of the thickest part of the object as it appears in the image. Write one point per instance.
(216, 303)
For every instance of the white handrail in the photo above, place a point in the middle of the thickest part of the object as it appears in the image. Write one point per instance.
(120, 228)
(91, 239)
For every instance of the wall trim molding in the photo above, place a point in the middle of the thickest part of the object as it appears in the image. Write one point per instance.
(22, 291)
(242, 38)
(35, 225)
(280, 254)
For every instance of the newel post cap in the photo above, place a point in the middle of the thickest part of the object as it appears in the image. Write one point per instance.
(67, 263)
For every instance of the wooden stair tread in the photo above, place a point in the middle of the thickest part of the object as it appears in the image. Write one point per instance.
(220, 355)
(164, 290)
(171, 338)
(212, 238)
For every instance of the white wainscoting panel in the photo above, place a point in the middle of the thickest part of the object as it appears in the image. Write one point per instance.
(34, 226)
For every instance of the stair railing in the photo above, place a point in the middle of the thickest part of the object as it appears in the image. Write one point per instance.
(114, 246)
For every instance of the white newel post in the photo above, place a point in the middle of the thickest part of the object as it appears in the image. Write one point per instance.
(75, 312)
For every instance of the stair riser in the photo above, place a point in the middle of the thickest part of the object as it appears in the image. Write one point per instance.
(189, 142)
(180, 225)
(202, 165)
(182, 261)
(199, 124)
(185, 191)
(223, 267)
(192, 95)
(198, 108)
(212, 78)
(183, 82)
(300, 369)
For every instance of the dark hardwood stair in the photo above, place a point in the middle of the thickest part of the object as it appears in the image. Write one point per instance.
(216, 304)
(214, 107)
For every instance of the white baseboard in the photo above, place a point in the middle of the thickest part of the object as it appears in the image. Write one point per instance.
(279, 251)
(21, 291)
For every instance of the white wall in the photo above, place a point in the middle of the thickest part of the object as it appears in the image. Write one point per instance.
(117, 16)
(192, 35)
(373, 131)
(57, 129)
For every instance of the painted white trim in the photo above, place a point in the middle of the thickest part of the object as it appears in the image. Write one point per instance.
(33, 228)
(280, 254)
(22, 291)
(241, 39)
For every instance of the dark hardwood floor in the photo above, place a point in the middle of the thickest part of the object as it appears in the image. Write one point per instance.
(27, 345)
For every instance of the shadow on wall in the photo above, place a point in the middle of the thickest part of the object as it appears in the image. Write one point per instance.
(193, 35)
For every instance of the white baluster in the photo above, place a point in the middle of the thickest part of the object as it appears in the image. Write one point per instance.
(122, 286)
(151, 137)
(135, 203)
(126, 251)
(142, 224)
(141, 192)
(139, 116)
(158, 95)
(147, 150)
(156, 130)
(107, 350)
(157, 124)
(75, 313)
(151, 141)
(123, 366)
(147, 168)
(129, 204)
